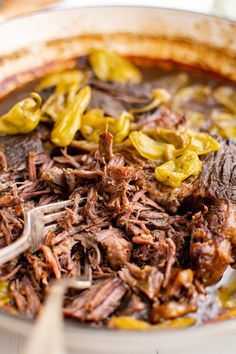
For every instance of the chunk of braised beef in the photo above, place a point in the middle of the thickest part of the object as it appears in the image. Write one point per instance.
(135, 307)
(99, 302)
(118, 249)
(210, 248)
(147, 280)
(218, 176)
(16, 148)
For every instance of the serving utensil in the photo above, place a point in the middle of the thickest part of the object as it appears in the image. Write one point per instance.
(47, 334)
(38, 222)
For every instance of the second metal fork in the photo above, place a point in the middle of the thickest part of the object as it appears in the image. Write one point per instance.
(37, 223)
(48, 335)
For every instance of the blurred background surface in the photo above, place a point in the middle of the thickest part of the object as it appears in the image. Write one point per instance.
(227, 8)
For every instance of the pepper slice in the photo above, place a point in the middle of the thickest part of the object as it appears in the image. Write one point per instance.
(23, 117)
(202, 143)
(151, 149)
(130, 323)
(226, 96)
(173, 172)
(120, 127)
(62, 80)
(5, 297)
(159, 96)
(177, 138)
(66, 85)
(94, 123)
(69, 121)
(108, 65)
(197, 93)
(224, 124)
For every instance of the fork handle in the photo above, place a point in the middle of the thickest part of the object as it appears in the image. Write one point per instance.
(47, 334)
(14, 249)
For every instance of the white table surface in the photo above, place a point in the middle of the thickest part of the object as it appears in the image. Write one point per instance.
(12, 343)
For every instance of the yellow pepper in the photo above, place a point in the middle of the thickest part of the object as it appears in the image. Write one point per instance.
(108, 65)
(226, 96)
(151, 149)
(66, 84)
(53, 106)
(226, 293)
(159, 96)
(62, 80)
(120, 127)
(177, 138)
(129, 323)
(197, 93)
(194, 119)
(69, 121)
(94, 123)
(173, 172)
(23, 117)
(224, 124)
(186, 139)
(4, 293)
(202, 143)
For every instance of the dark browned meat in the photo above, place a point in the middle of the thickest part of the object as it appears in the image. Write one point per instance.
(17, 148)
(135, 307)
(97, 303)
(118, 249)
(147, 280)
(110, 105)
(218, 177)
(210, 248)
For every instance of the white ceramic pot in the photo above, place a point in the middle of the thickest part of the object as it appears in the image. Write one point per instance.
(35, 44)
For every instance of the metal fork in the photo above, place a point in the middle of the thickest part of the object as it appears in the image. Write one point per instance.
(38, 222)
(47, 334)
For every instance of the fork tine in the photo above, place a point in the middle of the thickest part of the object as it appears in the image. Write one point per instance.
(52, 227)
(52, 207)
(87, 273)
(53, 217)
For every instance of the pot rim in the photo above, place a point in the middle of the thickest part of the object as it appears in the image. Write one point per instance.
(113, 5)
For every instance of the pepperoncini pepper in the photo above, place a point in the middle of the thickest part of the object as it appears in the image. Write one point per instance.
(62, 80)
(177, 138)
(197, 93)
(108, 65)
(185, 139)
(224, 124)
(159, 96)
(94, 123)
(226, 96)
(5, 297)
(151, 149)
(173, 172)
(130, 323)
(120, 127)
(66, 84)
(202, 143)
(23, 117)
(69, 121)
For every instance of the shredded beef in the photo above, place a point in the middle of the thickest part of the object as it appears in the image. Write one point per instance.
(153, 249)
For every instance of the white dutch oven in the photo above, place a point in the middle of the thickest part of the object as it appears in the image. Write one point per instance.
(33, 45)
